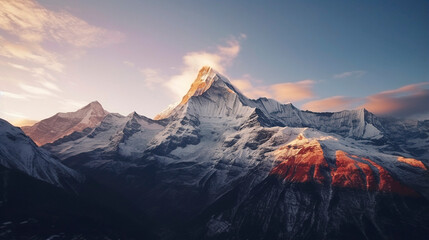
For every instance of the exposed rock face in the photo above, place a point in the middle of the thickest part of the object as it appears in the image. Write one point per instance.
(63, 124)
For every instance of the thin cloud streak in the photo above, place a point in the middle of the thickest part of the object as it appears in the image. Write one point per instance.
(12, 95)
(39, 41)
(128, 63)
(31, 22)
(36, 91)
(351, 74)
(30, 52)
(283, 92)
(151, 77)
(331, 104)
(410, 101)
(407, 101)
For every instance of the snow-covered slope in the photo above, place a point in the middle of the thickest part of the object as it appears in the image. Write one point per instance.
(396, 136)
(355, 123)
(63, 124)
(116, 135)
(210, 122)
(17, 151)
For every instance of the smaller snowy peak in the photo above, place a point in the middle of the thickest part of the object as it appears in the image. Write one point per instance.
(96, 107)
(63, 124)
(272, 106)
(92, 109)
(134, 115)
(116, 135)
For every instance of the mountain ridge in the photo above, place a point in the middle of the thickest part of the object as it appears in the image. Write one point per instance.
(217, 156)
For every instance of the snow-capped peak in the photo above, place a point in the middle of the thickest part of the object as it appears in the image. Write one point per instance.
(206, 78)
(92, 109)
(95, 105)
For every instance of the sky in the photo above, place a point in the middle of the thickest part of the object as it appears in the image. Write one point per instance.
(131, 55)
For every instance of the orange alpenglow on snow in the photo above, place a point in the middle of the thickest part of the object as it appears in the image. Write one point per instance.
(412, 162)
(349, 173)
(305, 163)
(297, 167)
(199, 86)
(352, 178)
(387, 183)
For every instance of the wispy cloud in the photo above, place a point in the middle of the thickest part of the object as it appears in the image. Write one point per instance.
(20, 67)
(151, 77)
(407, 101)
(335, 103)
(40, 74)
(128, 63)
(351, 74)
(36, 91)
(40, 41)
(30, 52)
(283, 92)
(194, 61)
(29, 24)
(50, 85)
(13, 95)
(32, 22)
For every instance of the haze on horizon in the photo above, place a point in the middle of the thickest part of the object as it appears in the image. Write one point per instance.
(57, 56)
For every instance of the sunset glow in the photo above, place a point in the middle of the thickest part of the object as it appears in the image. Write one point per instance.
(57, 56)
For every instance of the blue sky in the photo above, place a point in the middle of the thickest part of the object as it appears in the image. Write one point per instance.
(343, 54)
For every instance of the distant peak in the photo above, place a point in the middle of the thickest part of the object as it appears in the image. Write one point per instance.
(95, 108)
(94, 105)
(133, 115)
(362, 110)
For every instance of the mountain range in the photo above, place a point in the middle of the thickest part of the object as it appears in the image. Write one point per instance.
(219, 165)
